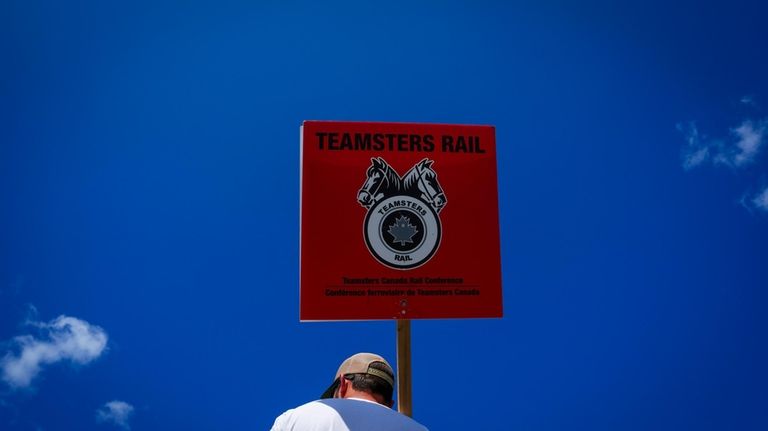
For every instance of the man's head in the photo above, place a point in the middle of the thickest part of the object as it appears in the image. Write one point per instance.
(363, 373)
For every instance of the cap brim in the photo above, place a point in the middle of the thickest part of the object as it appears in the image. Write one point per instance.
(331, 389)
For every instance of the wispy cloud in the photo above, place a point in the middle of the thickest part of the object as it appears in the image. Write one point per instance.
(115, 412)
(738, 150)
(62, 339)
(694, 153)
(750, 138)
(748, 100)
(760, 201)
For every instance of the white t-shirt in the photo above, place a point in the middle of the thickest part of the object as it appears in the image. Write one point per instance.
(344, 414)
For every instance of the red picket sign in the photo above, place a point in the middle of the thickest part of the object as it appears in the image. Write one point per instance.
(398, 221)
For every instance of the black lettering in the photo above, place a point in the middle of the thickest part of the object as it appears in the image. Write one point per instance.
(321, 137)
(415, 141)
(461, 145)
(394, 142)
(363, 141)
(447, 143)
(474, 142)
(333, 139)
(382, 292)
(429, 143)
(391, 141)
(346, 142)
(439, 292)
(378, 142)
(344, 292)
(402, 142)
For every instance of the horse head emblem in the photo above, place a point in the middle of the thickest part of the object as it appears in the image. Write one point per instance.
(420, 181)
(380, 180)
(402, 227)
(428, 186)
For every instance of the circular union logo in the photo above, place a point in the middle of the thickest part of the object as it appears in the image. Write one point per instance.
(402, 232)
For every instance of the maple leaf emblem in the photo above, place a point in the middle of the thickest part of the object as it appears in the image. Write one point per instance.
(402, 230)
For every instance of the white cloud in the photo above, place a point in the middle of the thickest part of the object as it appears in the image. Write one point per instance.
(695, 153)
(751, 137)
(748, 100)
(115, 412)
(745, 144)
(741, 148)
(63, 339)
(695, 157)
(761, 200)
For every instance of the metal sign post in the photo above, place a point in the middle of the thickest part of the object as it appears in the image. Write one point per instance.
(404, 400)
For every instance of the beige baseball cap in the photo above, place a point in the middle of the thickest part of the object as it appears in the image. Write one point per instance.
(360, 363)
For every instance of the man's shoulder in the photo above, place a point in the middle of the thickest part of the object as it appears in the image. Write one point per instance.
(366, 415)
(345, 414)
(313, 415)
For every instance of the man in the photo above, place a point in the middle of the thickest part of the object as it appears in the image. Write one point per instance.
(359, 399)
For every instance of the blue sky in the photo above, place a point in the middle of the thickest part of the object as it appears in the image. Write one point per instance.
(149, 208)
